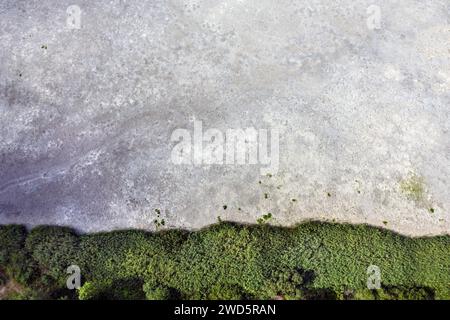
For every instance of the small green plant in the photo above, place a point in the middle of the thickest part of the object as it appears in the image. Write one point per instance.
(158, 222)
(265, 218)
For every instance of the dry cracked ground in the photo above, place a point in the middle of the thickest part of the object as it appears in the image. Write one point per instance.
(92, 94)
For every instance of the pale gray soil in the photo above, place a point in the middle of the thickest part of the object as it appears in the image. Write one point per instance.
(86, 115)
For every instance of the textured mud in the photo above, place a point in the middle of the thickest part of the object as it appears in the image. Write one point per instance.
(86, 115)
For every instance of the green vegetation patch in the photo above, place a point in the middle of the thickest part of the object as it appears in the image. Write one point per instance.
(227, 261)
(413, 187)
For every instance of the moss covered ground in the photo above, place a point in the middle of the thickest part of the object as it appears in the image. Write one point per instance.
(226, 261)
